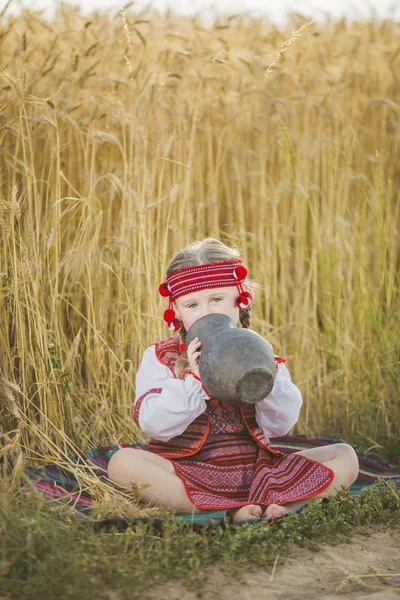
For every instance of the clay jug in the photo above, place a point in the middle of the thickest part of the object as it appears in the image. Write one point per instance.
(236, 365)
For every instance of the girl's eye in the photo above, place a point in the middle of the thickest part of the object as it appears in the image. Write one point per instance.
(194, 304)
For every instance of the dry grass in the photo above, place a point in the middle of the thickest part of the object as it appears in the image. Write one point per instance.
(124, 138)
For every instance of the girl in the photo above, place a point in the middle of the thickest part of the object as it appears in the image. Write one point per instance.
(204, 455)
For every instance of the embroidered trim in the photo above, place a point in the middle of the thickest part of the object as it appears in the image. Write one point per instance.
(168, 349)
(198, 379)
(139, 401)
(165, 452)
(255, 430)
(206, 276)
(279, 360)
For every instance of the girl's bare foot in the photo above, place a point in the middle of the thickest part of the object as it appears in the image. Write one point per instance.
(251, 511)
(274, 511)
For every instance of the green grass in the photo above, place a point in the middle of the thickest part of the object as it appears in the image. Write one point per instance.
(48, 553)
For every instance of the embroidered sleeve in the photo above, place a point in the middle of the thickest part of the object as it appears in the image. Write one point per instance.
(165, 406)
(280, 410)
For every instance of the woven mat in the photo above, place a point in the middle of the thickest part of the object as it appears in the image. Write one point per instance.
(59, 484)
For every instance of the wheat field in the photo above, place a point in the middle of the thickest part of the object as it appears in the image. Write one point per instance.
(125, 137)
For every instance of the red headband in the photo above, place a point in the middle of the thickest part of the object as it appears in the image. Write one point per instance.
(203, 277)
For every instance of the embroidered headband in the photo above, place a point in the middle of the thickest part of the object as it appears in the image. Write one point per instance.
(203, 277)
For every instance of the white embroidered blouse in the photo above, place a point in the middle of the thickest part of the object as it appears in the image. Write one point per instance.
(165, 415)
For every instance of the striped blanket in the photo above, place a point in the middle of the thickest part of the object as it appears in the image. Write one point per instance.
(57, 481)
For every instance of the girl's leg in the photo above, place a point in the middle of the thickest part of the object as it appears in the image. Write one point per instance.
(128, 465)
(166, 489)
(343, 461)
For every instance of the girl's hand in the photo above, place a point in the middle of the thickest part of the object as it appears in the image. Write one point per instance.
(193, 355)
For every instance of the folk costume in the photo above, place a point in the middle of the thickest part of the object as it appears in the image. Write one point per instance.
(221, 452)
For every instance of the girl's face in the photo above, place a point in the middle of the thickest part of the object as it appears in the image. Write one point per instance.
(191, 307)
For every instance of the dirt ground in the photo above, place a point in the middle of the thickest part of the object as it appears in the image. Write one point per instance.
(329, 574)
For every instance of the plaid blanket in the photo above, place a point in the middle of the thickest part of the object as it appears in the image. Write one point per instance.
(58, 483)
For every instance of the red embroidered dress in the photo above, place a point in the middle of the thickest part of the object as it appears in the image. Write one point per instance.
(221, 452)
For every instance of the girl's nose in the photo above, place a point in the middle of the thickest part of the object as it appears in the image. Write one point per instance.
(205, 310)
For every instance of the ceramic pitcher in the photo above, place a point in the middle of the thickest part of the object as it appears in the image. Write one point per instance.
(236, 365)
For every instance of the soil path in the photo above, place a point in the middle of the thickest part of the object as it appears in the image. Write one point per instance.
(331, 573)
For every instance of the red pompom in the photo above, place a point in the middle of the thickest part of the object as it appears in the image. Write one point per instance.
(182, 348)
(213, 402)
(244, 300)
(163, 290)
(174, 325)
(241, 272)
(169, 315)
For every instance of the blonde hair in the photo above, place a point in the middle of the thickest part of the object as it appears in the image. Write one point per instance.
(207, 251)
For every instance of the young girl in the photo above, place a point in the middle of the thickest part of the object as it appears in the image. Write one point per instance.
(207, 455)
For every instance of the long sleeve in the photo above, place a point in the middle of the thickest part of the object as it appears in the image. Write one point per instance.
(165, 406)
(279, 411)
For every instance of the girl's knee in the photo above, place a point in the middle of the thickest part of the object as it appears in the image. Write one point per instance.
(350, 458)
(347, 451)
(121, 461)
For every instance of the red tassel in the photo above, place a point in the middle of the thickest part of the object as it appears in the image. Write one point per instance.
(182, 348)
(169, 314)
